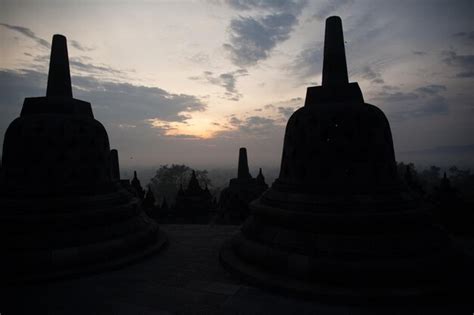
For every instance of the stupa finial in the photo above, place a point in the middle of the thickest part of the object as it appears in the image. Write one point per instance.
(59, 78)
(334, 65)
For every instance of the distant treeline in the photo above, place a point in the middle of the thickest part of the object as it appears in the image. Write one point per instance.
(427, 182)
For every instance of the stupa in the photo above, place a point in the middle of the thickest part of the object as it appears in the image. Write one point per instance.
(193, 204)
(338, 223)
(63, 209)
(234, 199)
(137, 186)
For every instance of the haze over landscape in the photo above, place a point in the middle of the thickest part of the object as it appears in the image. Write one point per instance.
(192, 81)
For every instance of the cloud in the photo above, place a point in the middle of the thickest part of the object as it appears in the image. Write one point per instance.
(234, 121)
(464, 63)
(226, 80)
(329, 8)
(309, 62)
(199, 58)
(171, 129)
(370, 74)
(40, 61)
(81, 65)
(423, 101)
(254, 127)
(286, 111)
(395, 97)
(28, 33)
(121, 104)
(281, 110)
(465, 35)
(129, 101)
(253, 38)
(79, 46)
(125, 126)
(465, 74)
(267, 5)
(419, 53)
(269, 123)
(432, 89)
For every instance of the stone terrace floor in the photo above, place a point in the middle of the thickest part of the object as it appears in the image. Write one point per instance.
(184, 278)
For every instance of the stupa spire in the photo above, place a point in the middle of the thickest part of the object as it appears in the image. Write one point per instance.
(59, 78)
(243, 168)
(194, 183)
(334, 65)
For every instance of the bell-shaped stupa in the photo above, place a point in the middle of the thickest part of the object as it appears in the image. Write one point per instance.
(337, 222)
(62, 207)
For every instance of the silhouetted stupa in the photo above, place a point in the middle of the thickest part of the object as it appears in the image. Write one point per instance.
(234, 199)
(62, 207)
(137, 186)
(337, 222)
(193, 204)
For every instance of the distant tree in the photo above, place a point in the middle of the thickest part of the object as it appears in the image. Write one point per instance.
(408, 174)
(432, 175)
(430, 178)
(166, 182)
(463, 181)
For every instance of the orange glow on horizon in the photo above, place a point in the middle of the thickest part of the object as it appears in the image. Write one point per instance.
(196, 128)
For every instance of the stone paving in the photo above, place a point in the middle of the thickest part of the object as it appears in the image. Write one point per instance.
(184, 278)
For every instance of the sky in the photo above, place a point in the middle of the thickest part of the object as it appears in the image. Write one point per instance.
(193, 81)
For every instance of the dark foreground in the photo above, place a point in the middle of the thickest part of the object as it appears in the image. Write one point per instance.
(184, 278)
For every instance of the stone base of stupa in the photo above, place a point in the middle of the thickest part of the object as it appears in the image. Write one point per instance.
(365, 249)
(46, 237)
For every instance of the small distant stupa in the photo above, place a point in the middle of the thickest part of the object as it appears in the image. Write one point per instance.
(63, 209)
(137, 186)
(337, 222)
(234, 199)
(193, 204)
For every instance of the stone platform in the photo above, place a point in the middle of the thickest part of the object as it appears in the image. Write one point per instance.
(184, 278)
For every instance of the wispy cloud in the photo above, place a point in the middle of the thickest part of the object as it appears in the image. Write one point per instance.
(269, 123)
(282, 110)
(252, 127)
(463, 63)
(81, 65)
(423, 101)
(79, 46)
(432, 89)
(469, 36)
(28, 33)
(369, 73)
(419, 53)
(290, 6)
(227, 80)
(286, 111)
(308, 62)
